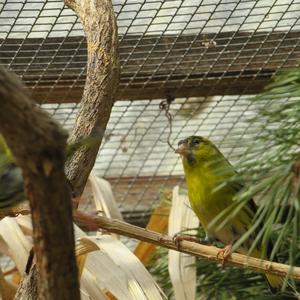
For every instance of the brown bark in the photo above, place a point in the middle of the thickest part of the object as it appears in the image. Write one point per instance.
(99, 23)
(38, 144)
(28, 288)
(102, 79)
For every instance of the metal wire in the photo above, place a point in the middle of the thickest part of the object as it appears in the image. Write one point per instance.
(210, 54)
(136, 161)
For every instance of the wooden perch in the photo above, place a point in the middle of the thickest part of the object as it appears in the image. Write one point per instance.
(99, 24)
(38, 145)
(199, 250)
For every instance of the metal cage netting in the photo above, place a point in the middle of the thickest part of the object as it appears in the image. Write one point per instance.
(210, 56)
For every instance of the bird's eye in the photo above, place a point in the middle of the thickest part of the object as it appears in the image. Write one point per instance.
(181, 142)
(196, 142)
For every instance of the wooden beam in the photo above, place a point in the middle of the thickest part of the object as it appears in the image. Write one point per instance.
(189, 87)
(156, 66)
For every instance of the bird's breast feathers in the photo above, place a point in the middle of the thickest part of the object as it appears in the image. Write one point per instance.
(208, 202)
(205, 200)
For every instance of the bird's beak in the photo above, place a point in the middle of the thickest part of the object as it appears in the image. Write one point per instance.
(183, 149)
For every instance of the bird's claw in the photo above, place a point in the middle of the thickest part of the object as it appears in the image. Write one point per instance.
(206, 241)
(225, 253)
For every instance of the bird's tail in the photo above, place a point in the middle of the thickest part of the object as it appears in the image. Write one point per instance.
(276, 282)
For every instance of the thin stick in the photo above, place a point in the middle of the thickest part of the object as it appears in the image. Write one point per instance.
(199, 250)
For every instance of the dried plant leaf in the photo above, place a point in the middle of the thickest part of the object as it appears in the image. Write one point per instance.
(81, 259)
(85, 246)
(182, 266)
(25, 223)
(103, 197)
(109, 295)
(108, 268)
(131, 279)
(18, 245)
(7, 289)
(16, 278)
(82, 249)
(3, 247)
(101, 272)
(114, 268)
(90, 288)
(159, 223)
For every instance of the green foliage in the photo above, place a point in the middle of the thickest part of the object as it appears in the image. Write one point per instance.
(158, 267)
(270, 174)
(216, 282)
(268, 168)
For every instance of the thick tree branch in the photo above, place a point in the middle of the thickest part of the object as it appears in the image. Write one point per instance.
(199, 250)
(38, 144)
(28, 287)
(99, 23)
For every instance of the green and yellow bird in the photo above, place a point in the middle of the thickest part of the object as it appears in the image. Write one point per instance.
(205, 168)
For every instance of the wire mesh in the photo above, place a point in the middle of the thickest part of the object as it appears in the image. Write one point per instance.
(190, 48)
(135, 156)
(209, 55)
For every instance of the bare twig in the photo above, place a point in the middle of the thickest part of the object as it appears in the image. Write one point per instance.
(7, 288)
(165, 106)
(199, 250)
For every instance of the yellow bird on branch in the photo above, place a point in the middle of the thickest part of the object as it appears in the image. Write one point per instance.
(205, 168)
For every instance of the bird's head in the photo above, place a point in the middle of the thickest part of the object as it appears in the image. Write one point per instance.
(196, 149)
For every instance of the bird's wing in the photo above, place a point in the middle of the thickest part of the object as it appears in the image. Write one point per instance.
(248, 212)
(237, 186)
(11, 185)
